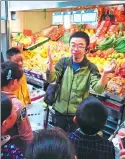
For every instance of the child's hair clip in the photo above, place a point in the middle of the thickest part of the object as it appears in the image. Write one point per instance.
(9, 75)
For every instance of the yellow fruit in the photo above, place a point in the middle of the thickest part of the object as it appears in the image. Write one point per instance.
(56, 59)
(119, 60)
(91, 31)
(44, 54)
(109, 59)
(109, 56)
(106, 35)
(116, 56)
(113, 55)
(121, 55)
(86, 31)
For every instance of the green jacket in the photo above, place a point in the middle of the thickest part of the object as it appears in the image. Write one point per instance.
(74, 86)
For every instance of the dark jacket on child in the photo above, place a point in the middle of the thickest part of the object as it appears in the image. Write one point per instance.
(92, 147)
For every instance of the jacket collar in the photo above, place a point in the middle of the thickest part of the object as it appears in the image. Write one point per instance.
(84, 63)
(84, 137)
(10, 94)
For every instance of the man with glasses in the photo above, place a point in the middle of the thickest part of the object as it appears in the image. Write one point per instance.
(79, 75)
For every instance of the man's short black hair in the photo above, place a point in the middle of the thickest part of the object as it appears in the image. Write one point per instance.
(80, 34)
(12, 51)
(91, 115)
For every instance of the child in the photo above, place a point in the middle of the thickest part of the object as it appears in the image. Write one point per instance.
(51, 144)
(11, 74)
(14, 55)
(91, 117)
(8, 119)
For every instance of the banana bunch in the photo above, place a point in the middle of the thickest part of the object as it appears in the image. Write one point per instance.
(28, 54)
(37, 64)
(107, 43)
(120, 45)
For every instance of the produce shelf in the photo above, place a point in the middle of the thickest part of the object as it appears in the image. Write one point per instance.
(37, 44)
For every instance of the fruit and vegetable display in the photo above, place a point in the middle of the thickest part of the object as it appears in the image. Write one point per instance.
(100, 58)
(57, 33)
(53, 32)
(46, 32)
(36, 60)
(107, 43)
(118, 43)
(28, 41)
(116, 84)
(37, 64)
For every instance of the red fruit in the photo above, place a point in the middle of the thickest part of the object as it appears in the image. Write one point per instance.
(102, 55)
(107, 18)
(74, 120)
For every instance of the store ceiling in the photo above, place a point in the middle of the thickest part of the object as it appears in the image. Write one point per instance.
(55, 5)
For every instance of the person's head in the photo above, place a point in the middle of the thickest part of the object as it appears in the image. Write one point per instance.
(91, 115)
(8, 113)
(11, 74)
(51, 144)
(14, 55)
(79, 42)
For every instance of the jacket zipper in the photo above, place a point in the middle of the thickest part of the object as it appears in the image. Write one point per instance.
(71, 89)
(70, 94)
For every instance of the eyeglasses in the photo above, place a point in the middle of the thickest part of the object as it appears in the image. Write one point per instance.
(78, 47)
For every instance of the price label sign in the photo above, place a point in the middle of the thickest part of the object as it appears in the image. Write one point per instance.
(67, 17)
(89, 16)
(57, 18)
(76, 16)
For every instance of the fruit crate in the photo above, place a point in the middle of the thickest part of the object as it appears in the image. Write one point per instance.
(32, 47)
